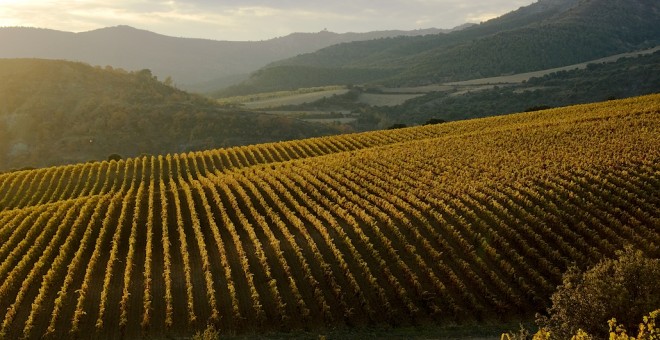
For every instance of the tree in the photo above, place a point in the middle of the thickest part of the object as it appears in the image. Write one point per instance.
(435, 121)
(625, 288)
(538, 108)
(145, 74)
(396, 126)
(114, 157)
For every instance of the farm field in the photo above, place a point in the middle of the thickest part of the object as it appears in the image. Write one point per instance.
(384, 99)
(281, 98)
(315, 116)
(454, 223)
(331, 120)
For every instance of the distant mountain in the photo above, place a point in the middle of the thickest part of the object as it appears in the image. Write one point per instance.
(58, 112)
(196, 64)
(545, 34)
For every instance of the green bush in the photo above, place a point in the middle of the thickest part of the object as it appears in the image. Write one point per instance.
(625, 288)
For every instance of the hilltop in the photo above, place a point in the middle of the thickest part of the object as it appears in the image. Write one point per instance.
(543, 35)
(459, 223)
(194, 64)
(59, 112)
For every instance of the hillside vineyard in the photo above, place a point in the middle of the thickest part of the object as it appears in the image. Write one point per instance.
(472, 220)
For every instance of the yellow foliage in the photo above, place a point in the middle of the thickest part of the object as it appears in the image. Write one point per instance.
(581, 335)
(648, 330)
(542, 334)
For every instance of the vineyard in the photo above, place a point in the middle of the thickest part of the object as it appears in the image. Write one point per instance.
(463, 221)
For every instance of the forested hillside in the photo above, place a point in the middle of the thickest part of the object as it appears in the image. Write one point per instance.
(628, 77)
(58, 112)
(471, 221)
(545, 34)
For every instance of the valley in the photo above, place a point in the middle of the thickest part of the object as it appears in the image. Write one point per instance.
(498, 180)
(579, 83)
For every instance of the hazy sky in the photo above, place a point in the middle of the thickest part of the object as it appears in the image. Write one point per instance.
(250, 19)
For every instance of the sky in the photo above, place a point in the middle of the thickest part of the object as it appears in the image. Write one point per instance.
(241, 20)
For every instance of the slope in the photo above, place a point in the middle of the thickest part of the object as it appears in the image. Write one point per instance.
(626, 77)
(546, 34)
(620, 76)
(57, 112)
(462, 222)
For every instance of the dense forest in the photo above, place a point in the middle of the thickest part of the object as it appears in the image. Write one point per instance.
(627, 77)
(58, 112)
(536, 37)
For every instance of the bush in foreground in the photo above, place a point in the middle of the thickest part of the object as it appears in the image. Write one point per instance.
(647, 330)
(583, 306)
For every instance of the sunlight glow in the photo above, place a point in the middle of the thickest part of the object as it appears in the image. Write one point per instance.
(251, 19)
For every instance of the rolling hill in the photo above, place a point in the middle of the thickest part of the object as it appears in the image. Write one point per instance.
(59, 112)
(377, 107)
(627, 77)
(194, 64)
(543, 35)
(455, 223)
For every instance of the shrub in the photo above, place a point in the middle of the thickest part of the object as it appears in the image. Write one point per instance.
(433, 121)
(114, 157)
(396, 126)
(624, 288)
(210, 333)
(648, 330)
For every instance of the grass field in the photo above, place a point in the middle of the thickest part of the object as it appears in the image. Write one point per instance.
(281, 98)
(452, 224)
(384, 99)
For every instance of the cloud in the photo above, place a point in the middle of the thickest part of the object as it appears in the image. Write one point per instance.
(249, 19)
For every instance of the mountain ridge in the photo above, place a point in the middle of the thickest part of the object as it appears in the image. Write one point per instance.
(191, 62)
(545, 34)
